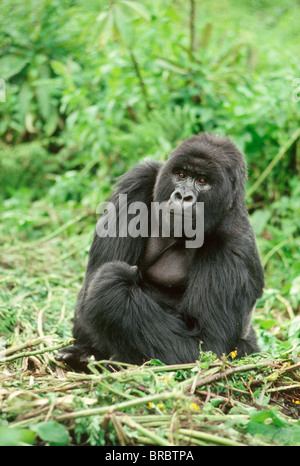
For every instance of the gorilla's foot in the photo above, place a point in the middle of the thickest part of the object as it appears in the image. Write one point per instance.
(75, 357)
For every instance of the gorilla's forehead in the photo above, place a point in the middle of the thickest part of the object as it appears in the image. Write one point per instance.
(194, 161)
(192, 164)
(207, 147)
(197, 151)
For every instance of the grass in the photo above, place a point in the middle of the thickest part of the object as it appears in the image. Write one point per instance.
(249, 401)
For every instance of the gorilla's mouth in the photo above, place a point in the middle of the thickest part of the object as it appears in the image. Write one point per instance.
(182, 221)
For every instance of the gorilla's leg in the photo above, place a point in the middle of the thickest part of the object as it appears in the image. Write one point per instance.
(248, 345)
(123, 323)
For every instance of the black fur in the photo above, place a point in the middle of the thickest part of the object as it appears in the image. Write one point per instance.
(124, 316)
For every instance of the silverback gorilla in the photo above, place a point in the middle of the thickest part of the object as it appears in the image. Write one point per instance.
(148, 297)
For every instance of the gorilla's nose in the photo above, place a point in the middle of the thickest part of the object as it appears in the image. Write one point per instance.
(185, 198)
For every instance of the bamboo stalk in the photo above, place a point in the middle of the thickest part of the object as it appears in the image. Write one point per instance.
(146, 432)
(222, 374)
(26, 344)
(284, 387)
(32, 353)
(120, 406)
(210, 438)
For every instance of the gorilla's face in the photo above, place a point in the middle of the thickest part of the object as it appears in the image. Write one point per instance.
(202, 169)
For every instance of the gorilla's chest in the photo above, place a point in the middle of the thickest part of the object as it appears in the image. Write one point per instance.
(167, 264)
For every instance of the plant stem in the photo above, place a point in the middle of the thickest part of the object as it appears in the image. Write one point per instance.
(275, 160)
(32, 353)
(192, 26)
(140, 78)
(146, 432)
(209, 437)
(116, 407)
(222, 374)
(14, 349)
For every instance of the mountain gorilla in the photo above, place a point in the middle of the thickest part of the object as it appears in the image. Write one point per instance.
(153, 297)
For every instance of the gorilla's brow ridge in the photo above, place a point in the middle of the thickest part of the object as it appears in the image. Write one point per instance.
(193, 168)
(198, 164)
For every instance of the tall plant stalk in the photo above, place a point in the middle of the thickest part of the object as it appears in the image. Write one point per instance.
(140, 78)
(192, 26)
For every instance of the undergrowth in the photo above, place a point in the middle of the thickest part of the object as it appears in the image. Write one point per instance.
(249, 401)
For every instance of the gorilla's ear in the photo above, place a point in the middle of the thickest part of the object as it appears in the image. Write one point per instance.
(236, 167)
(240, 175)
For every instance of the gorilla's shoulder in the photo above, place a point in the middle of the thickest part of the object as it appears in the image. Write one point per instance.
(143, 175)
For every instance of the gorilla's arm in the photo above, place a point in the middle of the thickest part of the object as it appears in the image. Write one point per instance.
(224, 285)
(137, 185)
(126, 324)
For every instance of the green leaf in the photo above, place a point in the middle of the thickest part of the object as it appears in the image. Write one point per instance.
(156, 362)
(216, 401)
(15, 437)
(295, 291)
(123, 25)
(259, 219)
(262, 416)
(206, 35)
(52, 432)
(11, 65)
(289, 435)
(43, 93)
(266, 324)
(52, 122)
(25, 98)
(105, 27)
(140, 9)
(59, 68)
(294, 328)
(170, 65)
(269, 426)
(102, 16)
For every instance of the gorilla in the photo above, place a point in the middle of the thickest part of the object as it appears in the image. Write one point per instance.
(152, 297)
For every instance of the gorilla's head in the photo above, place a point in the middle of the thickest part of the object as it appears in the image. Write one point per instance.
(207, 169)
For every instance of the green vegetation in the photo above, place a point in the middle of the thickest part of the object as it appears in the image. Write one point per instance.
(91, 89)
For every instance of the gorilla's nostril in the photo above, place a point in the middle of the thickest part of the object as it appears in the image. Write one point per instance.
(182, 197)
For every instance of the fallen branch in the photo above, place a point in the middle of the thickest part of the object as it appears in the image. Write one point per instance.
(222, 374)
(26, 344)
(156, 439)
(190, 434)
(33, 353)
(120, 406)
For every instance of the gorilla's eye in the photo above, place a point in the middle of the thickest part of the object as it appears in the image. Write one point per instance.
(181, 175)
(202, 180)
